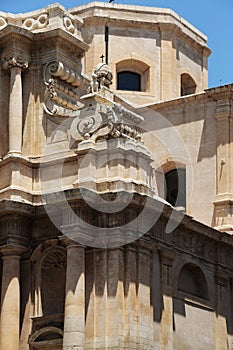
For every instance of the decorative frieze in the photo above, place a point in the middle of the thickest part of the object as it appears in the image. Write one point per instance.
(54, 16)
(39, 22)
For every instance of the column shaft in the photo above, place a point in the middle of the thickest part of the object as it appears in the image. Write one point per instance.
(10, 303)
(15, 111)
(74, 322)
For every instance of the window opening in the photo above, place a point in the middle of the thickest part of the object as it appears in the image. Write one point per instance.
(129, 81)
(175, 188)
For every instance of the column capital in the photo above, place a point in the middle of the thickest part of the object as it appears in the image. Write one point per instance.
(16, 61)
(9, 250)
(69, 243)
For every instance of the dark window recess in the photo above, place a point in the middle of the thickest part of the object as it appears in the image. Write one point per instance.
(188, 85)
(192, 281)
(175, 187)
(129, 81)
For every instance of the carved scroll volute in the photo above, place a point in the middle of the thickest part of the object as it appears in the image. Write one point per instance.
(58, 69)
(61, 98)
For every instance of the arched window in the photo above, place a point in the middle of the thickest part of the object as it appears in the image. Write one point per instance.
(187, 85)
(192, 281)
(129, 81)
(175, 187)
(132, 75)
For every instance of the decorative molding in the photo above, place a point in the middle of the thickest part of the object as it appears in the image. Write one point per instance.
(68, 24)
(36, 23)
(3, 22)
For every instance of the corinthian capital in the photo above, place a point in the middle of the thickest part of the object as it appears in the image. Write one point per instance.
(15, 61)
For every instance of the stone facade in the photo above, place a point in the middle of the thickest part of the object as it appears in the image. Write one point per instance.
(93, 254)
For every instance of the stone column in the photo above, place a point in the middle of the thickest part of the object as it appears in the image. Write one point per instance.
(10, 299)
(74, 321)
(15, 64)
(166, 325)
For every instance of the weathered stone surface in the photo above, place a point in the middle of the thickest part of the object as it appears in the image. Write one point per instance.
(92, 254)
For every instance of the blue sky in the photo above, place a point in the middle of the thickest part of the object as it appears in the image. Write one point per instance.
(213, 17)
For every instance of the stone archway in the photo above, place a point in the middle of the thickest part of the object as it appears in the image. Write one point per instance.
(46, 338)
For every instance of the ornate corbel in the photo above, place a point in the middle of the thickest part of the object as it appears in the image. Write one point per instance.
(58, 69)
(102, 121)
(60, 97)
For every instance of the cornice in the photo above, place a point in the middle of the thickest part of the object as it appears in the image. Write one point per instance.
(138, 15)
(43, 19)
(212, 94)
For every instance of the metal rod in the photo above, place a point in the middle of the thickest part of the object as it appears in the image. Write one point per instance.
(106, 44)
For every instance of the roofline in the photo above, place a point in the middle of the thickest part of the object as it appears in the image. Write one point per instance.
(210, 93)
(139, 9)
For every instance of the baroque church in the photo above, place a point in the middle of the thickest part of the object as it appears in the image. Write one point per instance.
(116, 185)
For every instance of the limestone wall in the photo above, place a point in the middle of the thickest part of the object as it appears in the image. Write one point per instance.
(166, 43)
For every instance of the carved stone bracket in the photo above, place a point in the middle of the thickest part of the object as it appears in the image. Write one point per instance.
(60, 96)
(58, 69)
(102, 121)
